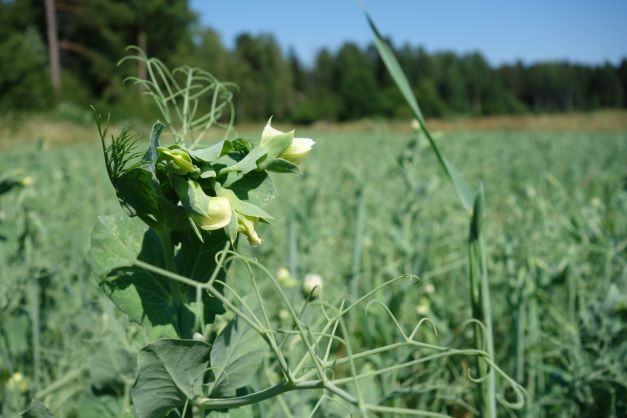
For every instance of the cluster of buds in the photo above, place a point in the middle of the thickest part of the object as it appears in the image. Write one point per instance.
(202, 179)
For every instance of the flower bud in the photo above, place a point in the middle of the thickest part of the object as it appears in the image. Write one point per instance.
(180, 159)
(284, 278)
(17, 382)
(312, 285)
(246, 225)
(298, 149)
(218, 214)
(429, 288)
(423, 307)
(284, 315)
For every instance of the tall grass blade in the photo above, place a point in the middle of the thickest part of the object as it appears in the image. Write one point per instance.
(466, 195)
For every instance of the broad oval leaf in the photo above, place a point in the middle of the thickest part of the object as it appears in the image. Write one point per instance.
(237, 352)
(170, 371)
(117, 241)
(145, 297)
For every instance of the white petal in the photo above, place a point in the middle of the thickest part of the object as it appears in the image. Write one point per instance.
(268, 133)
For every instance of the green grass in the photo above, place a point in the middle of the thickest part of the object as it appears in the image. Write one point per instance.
(370, 206)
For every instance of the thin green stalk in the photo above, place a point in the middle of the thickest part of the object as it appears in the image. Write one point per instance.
(521, 327)
(481, 308)
(35, 331)
(262, 395)
(170, 264)
(357, 249)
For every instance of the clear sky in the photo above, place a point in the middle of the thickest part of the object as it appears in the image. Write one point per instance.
(591, 31)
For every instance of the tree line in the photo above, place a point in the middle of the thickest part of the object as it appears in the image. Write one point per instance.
(66, 51)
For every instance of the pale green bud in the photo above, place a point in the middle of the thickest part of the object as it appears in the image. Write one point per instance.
(284, 278)
(429, 288)
(17, 382)
(423, 307)
(246, 225)
(284, 315)
(218, 214)
(181, 160)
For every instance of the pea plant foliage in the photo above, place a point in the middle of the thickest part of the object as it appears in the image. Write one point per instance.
(172, 263)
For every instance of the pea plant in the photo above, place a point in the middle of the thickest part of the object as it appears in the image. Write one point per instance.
(224, 336)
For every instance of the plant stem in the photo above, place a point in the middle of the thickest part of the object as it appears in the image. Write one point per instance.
(262, 395)
(481, 308)
(170, 265)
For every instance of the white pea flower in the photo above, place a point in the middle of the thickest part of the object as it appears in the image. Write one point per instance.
(218, 214)
(429, 289)
(312, 285)
(297, 149)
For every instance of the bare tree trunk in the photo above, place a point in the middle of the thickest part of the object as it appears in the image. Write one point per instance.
(53, 47)
(143, 44)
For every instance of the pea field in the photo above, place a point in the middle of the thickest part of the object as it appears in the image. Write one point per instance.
(369, 207)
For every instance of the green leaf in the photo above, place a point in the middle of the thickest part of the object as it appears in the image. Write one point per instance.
(37, 410)
(117, 241)
(249, 209)
(170, 372)
(191, 194)
(242, 206)
(279, 165)
(236, 354)
(145, 297)
(251, 161)
(256, 187)
(151, 153)
(197, 261)
(208, 155)
(465, 194)
(136, 192)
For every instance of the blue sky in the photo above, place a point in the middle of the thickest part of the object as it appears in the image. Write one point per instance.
(503, 30)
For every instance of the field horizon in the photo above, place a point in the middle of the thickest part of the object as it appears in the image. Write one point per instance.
(60, 128)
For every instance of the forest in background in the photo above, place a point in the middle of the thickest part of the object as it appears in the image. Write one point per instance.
(89, 38)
